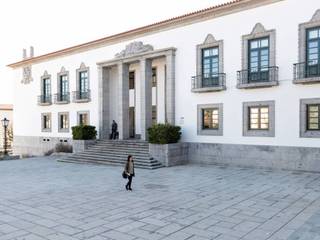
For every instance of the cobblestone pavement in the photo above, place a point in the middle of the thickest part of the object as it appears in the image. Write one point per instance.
(43, 199)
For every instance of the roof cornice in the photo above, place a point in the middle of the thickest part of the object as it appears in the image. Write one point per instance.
(183, 20)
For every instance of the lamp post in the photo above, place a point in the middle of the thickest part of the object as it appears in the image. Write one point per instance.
(5, 123)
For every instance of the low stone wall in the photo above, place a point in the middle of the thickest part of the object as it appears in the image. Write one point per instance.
(82, 145)
(36, 146)
(271, 157)
(170, 154)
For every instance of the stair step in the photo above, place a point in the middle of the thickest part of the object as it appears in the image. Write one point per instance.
(115, 152)
(108, 163)
(101, 158)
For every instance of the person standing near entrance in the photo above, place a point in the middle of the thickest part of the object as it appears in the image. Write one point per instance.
(114, 129)
(129, 170)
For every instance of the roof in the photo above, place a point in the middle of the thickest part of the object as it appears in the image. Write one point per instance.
(6, 107)
(186, 19)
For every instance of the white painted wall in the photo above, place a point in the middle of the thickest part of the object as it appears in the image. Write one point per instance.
(283, 16)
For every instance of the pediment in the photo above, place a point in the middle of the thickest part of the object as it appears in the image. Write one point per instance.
(134, 48)
(316, 16)
(209, 39)
(258, 28)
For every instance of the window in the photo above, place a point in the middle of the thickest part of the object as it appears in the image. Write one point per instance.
(83, 87)
(46, 88)
(154, 77)
(131, 80)
(307, 70)
(83, 82)
(46, 122)
(310, 118)
(210, 66)
(63, 88)
(210, 76)
(313, 117)
(259, 59)
(83, 118)
(210, 118)
(63, 122)
(63, 84)
(313, 52)
(258, 118)
(259, 68)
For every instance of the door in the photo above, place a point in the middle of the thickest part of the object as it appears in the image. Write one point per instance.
(313, 53)
(132, 132)
(259, 60)
(210, 67)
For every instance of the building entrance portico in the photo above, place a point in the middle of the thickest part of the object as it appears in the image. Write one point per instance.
(128, 95)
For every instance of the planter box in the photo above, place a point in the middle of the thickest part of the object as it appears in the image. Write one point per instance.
(170, 154)
(81, 145)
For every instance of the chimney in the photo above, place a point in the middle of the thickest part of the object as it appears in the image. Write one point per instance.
(24, 53)
(31, 52)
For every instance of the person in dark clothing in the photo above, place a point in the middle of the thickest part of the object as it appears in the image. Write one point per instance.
(114, 129)
(129, 170)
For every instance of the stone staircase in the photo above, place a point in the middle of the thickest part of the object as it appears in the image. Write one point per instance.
(115, 153)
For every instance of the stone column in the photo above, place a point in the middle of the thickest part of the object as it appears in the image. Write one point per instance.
(123, 102)
(170, 88)
(103, 92)
(146, 96)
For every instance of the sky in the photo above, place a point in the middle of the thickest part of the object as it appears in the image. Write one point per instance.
(50, 25)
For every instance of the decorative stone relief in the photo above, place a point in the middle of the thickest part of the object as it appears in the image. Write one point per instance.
(134, 48)
(27, 70)
(27, 75)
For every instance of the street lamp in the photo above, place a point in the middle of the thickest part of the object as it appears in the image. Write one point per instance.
(5, 124)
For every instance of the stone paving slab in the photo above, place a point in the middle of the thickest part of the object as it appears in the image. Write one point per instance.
(41, 198)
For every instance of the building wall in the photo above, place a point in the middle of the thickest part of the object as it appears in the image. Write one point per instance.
(284, 17)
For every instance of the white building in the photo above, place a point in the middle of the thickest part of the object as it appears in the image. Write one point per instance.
(254, 100)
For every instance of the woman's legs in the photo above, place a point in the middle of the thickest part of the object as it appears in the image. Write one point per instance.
(128, 186)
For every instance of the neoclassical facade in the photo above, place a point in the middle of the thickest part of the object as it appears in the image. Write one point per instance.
(241, 79)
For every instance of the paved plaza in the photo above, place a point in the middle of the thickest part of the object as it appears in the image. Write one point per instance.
(41, 198)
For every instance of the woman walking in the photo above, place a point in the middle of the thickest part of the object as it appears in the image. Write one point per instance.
(129, 170)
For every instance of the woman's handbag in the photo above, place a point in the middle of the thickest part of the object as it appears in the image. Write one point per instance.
(124, 175)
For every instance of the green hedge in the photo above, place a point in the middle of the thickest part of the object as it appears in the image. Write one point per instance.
(84, 132)
(164, 134)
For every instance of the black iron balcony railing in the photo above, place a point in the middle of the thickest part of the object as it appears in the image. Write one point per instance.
(209, 81)
(81, 96)
(44, 99)
(264, 75)
(305, 70)
(62, 98)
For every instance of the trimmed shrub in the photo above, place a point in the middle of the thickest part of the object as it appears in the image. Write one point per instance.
(84, 132)
(164, 134)
(63, 148)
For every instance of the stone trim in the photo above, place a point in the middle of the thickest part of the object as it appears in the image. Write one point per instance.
(63, 130)
(259, 133)
(211, 132)
(210, 42)
(42, 125)
(304, 133)
(83, 112)
(258, 31)
(303, 27)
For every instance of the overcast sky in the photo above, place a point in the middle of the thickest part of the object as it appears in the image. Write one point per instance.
(50, 25)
